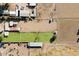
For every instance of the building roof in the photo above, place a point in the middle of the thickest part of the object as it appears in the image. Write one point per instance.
(35, 44)
(12, 13)
(20, 9)
(24, 13)
(32, 4)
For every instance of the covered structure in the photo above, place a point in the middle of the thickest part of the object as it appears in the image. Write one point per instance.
(35, 44)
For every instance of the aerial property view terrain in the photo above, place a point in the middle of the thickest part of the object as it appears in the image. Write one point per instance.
(39, 29)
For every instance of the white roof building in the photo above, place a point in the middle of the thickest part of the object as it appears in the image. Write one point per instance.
(12, 13)
(24, 13)
(32, 4)
(35, 44)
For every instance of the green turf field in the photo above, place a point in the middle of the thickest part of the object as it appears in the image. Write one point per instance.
(28, 37)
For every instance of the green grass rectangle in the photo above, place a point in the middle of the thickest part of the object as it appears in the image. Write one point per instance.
(28, 37)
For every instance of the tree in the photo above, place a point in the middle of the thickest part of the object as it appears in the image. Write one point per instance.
(53, 38)
(37, 37)
(6, 6)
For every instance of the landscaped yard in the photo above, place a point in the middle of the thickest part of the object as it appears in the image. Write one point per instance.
(28, 37)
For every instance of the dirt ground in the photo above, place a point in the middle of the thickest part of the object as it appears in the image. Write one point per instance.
(67, 30)
(46, 50)
(34, 26)
(67, 25)
(65, 10)
(45, 10)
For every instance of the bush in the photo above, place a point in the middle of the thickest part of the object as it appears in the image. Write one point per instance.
(37, 37)
(52, 39)
(6, 6)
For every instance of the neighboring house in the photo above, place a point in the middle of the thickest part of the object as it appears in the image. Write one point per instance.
(20, 10)
(23, 10)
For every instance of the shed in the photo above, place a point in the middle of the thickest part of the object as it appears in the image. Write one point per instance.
(35, 44)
